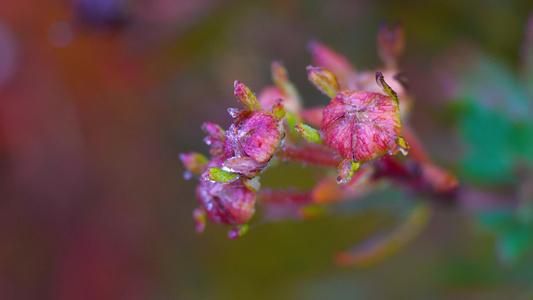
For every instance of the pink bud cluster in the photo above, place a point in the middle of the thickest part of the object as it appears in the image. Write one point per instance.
(361, 124)
(227, 190)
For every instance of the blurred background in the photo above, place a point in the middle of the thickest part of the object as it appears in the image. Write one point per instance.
(99, 97)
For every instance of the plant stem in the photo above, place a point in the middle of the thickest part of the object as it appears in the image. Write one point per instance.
(310, 154)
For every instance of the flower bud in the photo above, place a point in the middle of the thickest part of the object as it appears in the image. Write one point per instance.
(338, 65)
(278, 109)
(257, 134)
(245, 96)
(215, 139)
(226, 203)
(194, 162)
(361, 126)
(269, 96)
(391, 42)
(346, 170)
(284, 89)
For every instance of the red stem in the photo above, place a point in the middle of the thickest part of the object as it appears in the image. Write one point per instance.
(310, 154)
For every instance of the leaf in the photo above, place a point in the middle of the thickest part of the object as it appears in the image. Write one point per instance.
(280, 78)
(194, 162)
(346, 169)
(324, 80)
(245, 96)
(309, 133)
(215, 174)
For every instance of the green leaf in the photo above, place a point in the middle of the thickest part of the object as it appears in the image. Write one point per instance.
(245, 96)
(219, 175)
(324, 80)
(346, 169)
(380, 80)
(309, 133)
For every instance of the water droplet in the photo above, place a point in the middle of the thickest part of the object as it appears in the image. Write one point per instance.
(233, 112)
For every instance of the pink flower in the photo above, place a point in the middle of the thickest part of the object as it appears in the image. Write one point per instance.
(226, 203)
(361, 126)
(229, 203)
(254, 137)
(256, 134)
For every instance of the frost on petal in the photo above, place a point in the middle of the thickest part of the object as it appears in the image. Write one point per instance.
(231, 203)
(245, 166)
(215, 139)
(361, 126)
(346, 169)
(214, 131)
(260, 135)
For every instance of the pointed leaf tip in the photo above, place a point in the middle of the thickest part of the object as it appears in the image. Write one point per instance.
(380, 80)
(279, 73)
(218, 175)
(278, 109)
(244, 165)
(309, 133)
(214, 131)
(402, 146)
(324, 80)
(245, 96)
(346, 169)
